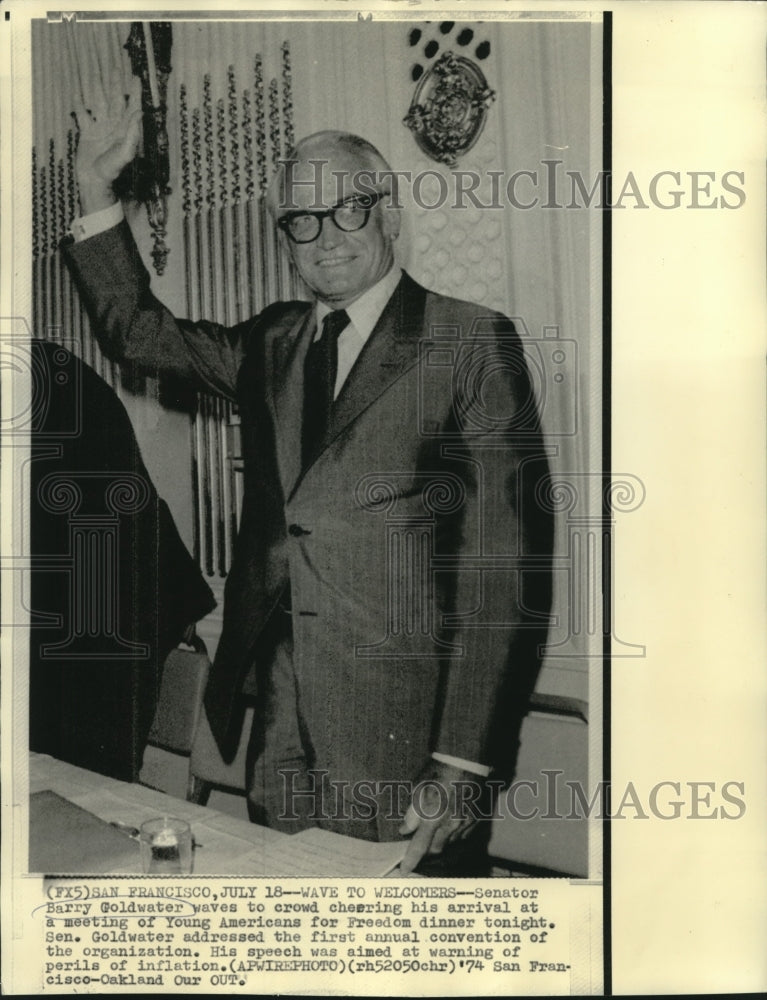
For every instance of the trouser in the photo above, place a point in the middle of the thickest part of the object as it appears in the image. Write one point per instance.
(285, 787)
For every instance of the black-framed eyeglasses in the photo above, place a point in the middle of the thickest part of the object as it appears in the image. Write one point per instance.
(348, 215)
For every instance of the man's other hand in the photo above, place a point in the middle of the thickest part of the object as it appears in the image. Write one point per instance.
(110, 130)
(440, 812)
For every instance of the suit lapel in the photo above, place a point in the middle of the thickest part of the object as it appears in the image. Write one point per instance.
(288, 353)
(390, 350)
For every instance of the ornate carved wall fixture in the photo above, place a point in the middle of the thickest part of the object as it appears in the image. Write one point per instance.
(147, 179)
(449, 108)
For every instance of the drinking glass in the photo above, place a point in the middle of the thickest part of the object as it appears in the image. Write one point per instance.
(166, 846)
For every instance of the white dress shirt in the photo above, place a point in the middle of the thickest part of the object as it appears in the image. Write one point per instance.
(363, 315)
(97, 222)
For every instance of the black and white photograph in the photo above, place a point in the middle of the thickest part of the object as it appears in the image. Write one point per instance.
(363, 409)
(320, 543)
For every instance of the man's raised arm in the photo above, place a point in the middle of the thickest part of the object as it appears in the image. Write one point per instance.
(109, 134)
(130, 324)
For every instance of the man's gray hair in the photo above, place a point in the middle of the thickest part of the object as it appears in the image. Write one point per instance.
(316, 147)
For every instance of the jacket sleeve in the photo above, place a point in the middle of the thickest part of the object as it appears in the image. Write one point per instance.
(133, 327)
(494, 549)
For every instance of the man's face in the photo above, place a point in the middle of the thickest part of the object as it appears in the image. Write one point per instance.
(339, 266)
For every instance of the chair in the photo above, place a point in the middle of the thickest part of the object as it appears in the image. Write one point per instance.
(553, 738)
(207, 768)
(179, 707)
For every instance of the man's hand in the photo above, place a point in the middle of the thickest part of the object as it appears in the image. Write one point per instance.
(439, 813)
(110, 130)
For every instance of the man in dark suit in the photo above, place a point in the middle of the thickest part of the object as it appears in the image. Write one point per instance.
(390, 586)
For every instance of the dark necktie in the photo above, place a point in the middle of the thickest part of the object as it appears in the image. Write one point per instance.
(319, 383)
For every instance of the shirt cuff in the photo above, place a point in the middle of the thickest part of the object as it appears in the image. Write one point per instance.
(97, 222)
(465, 765)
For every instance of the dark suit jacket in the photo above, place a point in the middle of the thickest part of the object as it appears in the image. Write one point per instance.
(415, 627)
(95, 668)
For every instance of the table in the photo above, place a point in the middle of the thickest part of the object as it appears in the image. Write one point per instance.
(225, 845)
(222, 839)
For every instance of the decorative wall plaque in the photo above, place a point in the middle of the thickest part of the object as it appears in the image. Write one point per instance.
(449, 108)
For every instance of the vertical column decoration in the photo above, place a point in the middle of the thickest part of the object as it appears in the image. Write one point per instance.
(235, 263)
(57, 313)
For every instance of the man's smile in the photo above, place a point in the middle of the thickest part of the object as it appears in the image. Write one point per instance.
(335, 261)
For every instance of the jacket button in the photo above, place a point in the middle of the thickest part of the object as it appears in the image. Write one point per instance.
(296, 530)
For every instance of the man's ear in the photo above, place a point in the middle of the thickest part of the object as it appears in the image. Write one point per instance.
(391, 219)
(286, 244)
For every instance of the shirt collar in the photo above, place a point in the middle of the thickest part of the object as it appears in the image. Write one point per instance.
(365, 311)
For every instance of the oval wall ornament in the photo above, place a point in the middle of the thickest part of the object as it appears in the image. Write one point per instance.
(449, 108)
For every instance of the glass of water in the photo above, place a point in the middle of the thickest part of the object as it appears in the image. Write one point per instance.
(166, 846)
